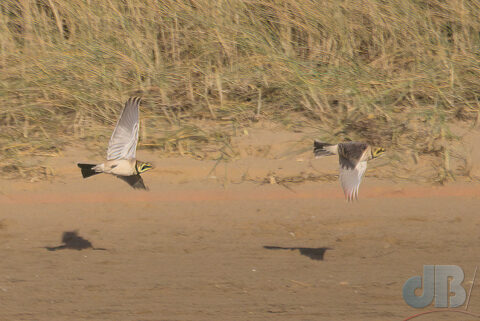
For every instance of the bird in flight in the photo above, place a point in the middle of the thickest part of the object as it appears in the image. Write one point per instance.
(121, 159)
(353, 157)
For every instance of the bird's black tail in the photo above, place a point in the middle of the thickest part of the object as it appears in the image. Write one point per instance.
(319, 149)
(87, 170)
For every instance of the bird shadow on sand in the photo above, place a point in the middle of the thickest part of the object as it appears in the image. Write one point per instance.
(72, 241)
(314, 253)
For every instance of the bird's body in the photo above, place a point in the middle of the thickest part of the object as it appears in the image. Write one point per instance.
(353, 157)
(123, 167)
(121, 160)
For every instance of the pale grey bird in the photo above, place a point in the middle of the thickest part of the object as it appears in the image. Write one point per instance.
(353, 157)
(121, 151)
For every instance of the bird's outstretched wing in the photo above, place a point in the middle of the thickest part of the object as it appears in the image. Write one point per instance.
(123, 143)
(350, 178)
(135, 181)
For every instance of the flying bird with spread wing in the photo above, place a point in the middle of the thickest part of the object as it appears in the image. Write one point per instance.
(121, 152)
(353, 157)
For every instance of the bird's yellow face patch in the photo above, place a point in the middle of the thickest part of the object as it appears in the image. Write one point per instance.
(378, 152)
(144, 167)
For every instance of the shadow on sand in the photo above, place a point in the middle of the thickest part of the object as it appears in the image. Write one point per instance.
(314, 253)
(72, 241)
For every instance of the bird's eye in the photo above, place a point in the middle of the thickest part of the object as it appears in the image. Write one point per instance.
(379, 151)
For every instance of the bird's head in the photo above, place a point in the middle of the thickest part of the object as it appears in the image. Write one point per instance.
(143, 166)
(377, 152)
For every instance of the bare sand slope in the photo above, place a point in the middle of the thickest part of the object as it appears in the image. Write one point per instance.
(199, 249)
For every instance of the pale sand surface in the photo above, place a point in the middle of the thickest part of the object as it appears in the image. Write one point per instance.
(202, 246)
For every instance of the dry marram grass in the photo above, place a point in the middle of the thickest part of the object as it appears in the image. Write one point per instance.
(394, 73)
